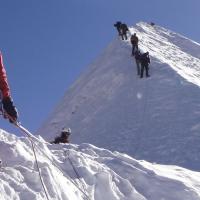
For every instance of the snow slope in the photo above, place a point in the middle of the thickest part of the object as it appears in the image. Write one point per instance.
(102, 174)
(155, 119)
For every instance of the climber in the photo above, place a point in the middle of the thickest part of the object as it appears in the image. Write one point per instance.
(145, 61)
(134, 42)
(117, 25)
(64, 137)
(137, 60)
(152, 24)
(7, 107)
(123, 30)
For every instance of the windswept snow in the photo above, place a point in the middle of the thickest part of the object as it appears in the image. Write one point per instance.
(182, 54)
(102, 174)
(155, 119)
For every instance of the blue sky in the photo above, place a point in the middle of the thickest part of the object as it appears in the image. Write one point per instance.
(47, 44)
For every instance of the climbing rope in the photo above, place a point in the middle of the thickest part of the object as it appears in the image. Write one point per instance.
(17, 124)
(33, 144)
(59, 169)
(36, 161)
(67, 155)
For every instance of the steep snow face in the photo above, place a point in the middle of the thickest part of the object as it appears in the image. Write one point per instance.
(155, 119)
(180, 53)
(99, 174)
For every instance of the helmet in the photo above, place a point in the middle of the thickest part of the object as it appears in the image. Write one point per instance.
(66, 130)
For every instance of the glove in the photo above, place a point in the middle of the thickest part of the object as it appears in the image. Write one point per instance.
(10, 109)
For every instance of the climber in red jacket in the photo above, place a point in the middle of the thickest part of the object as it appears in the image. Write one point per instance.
(8, 108)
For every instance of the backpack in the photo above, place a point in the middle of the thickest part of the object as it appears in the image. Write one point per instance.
(137, 55)
(145, 58)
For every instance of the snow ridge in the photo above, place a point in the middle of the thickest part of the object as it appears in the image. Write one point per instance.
(164, 46)
(104, 174)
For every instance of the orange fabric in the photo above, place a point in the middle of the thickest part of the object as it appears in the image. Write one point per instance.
(4, 87)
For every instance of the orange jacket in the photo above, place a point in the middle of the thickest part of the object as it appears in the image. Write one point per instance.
(4, 87)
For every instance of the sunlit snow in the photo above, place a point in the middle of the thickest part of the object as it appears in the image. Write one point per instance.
(124, 129)
(155, 119)
(100, 174)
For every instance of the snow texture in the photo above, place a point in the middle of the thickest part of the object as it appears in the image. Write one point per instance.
(99, 174)
(154, 119)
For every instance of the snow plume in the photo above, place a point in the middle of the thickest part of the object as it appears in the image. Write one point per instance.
(76, 172)
(155, 119)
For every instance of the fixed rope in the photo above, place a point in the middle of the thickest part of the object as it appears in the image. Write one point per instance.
(55, 165)
(36, 161)
(17, 124)
(31, 139)
(67, 154)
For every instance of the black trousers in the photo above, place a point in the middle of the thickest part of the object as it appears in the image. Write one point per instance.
(124, 36)
(119, 31)
(134, 47)
(146, 67)
(138, 66)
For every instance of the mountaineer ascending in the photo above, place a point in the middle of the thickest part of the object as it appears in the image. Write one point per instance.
(8, 109)
(134, 42)
(64, 137)
(145, 61)
(124, 29)
(137, 60)
(118, 25)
